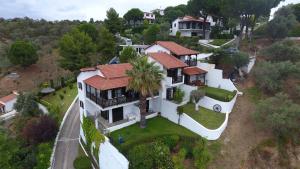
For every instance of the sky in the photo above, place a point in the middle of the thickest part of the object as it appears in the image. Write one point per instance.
(81, 9)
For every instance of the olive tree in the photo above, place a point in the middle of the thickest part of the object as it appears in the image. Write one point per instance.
(196, 96)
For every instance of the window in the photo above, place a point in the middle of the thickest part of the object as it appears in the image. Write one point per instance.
(80, 85)
(174, 25)
(81, 104)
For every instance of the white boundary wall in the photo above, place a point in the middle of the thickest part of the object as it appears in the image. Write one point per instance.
(111, 158)
(214, 78)
(209, 103)
(169, 111)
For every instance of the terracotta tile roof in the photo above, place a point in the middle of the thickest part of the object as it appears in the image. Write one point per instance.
(102, 83)
(190, 18)
(115, 70)
(176, 49)
(8, 98)
(193, 71)
(87, 69)
(167, 60)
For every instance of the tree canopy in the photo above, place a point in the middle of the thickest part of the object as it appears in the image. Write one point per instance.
(106, 45)
(75, 48)
(90, 30)
(150, 34)
(128, 54)
(134, 15)
(23, 53)
(113, 22)
(27, 106)
(240, 59)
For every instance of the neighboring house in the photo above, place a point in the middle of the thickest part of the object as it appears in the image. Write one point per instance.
(149, 16)
(189, 26)
(138, 48)
(184, 54)
(7, 102)
(160, 11)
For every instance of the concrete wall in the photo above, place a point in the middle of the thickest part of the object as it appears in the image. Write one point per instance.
(187, 91)
(214, 78)
(169, 111)
(226, 107)
(156, 48)
(111, 158)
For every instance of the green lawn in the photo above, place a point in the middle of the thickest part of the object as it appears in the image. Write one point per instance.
(207, 118)
(219, 42)
(254, 94)
(69, 95)
(218, 94)
(156, 127)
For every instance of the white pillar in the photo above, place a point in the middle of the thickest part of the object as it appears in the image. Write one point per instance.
(110, 117)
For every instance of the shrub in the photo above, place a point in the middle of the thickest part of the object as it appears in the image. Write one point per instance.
(149, 156)
(61, 96)
(64, 91)
(43, 156)
(40, 129)
(170, 140)
(188, 143)
(179, 158)
(82, 163)
(201, 155)
(178, 95)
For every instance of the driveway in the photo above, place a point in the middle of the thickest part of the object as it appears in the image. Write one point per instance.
(67, 144)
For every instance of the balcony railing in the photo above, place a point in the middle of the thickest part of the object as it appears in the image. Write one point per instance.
(191, 62)
(111, 102)
(177, 79)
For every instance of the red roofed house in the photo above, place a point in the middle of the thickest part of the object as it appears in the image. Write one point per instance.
(7, 102)
(184, 54)
(103, 95)
(189, 26)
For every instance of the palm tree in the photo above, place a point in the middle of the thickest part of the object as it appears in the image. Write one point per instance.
(145, 79)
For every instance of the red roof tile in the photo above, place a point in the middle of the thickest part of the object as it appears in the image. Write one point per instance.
(115, 70)
(167, 60)
(8, 98)
(190, 18)
(102, 83)
(193, 71)
(176, 49)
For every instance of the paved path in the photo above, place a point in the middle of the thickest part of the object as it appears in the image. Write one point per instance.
(67, 145)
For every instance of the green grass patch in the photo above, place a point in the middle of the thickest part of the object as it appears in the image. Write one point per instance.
(206, 117)
(82, 162)
(218, 94)
(156, 127)
(219, 42)
(56, 99)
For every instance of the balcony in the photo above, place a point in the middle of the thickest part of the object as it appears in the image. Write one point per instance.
(111, 102)
(191, 62)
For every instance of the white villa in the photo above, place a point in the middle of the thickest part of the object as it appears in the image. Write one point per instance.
(189, 26)
(103, 96)
(149, 16)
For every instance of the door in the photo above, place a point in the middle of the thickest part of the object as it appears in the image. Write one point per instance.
(105, 114)
(117, 114)
(147, 107)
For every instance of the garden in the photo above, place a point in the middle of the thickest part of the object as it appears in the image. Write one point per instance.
(162, 144)
(218, 94)
(208, 118)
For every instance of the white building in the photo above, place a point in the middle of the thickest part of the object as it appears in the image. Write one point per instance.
(150, 17)
(160, 11)
(7, 102)
(189, 26)
(138, 48)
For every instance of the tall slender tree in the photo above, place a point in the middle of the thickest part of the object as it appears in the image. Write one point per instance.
(113, 22)
(145, 79)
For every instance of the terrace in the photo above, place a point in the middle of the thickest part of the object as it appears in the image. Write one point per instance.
(218, 94)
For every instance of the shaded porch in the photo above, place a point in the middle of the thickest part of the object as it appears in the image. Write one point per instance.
(194, 76)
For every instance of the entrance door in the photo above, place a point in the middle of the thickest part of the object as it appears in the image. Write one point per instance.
(117, 114)
(147, 107)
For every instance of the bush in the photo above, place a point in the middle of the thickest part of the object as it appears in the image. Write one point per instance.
(201, 155)
(82, 163)
(170, 140)
(188, 143)
(149, 156)
(179, 158)
(295, 32)
(61, 96)
(178, 95)
(43, 156)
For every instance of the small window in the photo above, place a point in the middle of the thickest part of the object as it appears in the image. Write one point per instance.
(80, 85)
(175, 25)
(81, 104)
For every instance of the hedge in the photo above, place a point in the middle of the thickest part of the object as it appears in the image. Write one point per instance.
(82, 162)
